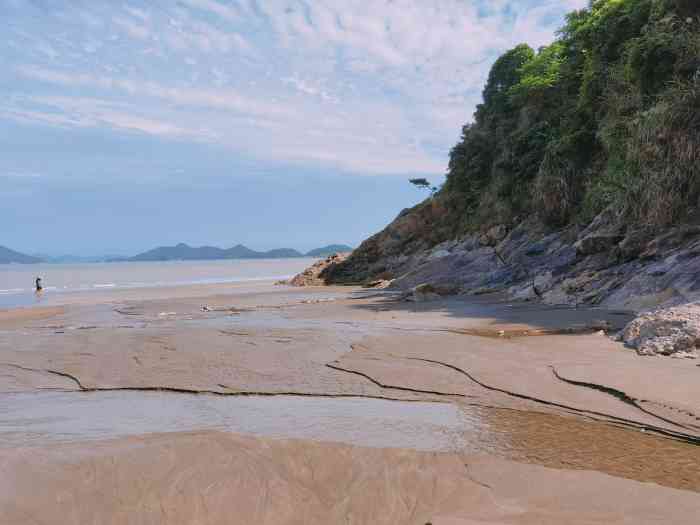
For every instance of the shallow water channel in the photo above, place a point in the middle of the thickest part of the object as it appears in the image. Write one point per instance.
(45, 418)
(50, 417)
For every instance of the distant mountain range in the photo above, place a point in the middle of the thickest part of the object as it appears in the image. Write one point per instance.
(180, 252)
(72, 259)
(8, 256)
(183, 252)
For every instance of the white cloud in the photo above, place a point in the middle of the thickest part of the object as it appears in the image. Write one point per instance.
(227, 99)
(227, 11)
(76, 113)
(368, 86)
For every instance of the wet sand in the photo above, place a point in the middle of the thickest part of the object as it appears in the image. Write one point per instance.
(558, 423)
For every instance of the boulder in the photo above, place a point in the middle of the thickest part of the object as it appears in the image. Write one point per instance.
(430, 292)
(671, 331)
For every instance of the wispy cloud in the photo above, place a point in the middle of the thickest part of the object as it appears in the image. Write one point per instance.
(354, 85)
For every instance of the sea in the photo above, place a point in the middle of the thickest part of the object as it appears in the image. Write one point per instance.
(17, 280)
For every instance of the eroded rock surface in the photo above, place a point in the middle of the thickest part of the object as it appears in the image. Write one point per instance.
(601, 264)
(670, 331)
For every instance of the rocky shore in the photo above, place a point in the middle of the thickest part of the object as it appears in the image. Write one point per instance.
(600, 265)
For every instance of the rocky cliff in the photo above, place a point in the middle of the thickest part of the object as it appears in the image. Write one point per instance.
(602, 264)
(599, 264)
(576, 182)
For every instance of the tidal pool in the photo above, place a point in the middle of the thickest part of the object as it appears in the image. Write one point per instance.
(50, 417)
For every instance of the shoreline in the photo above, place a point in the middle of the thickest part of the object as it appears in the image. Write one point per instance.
(80, 279)
(543, 403)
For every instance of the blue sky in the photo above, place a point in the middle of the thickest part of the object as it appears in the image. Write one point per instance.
(268, 122)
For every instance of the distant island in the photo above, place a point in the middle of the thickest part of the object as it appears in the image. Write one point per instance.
(179, 252)
(184, 252)
(8, 256)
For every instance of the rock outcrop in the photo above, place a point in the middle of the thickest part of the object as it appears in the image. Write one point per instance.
(602, 264)
(414, 231)
(670, 331)
(312, 276)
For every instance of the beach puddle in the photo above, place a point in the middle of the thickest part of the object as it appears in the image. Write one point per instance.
(571, 443)
(36, 419)
(53, 417)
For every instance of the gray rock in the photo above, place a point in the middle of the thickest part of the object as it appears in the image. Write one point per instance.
(438, 254)
(494, 235)
(597, 243)
(430, 292)
(671, 331)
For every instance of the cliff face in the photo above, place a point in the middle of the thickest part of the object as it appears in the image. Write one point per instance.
(577, 180)
(601, 264)
(414, 230)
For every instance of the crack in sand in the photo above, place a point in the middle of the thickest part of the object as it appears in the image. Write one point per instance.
(689, 438)
(393, 387)
(620, 395)
(471, 477)
(193, 391)
(681, 436)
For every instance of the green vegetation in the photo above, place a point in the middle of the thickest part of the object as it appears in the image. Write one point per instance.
(424, 184)
(607, 115)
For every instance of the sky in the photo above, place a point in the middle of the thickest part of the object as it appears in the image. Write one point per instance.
(272, 123)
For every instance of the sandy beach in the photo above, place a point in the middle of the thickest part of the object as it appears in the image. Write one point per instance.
(255, 403)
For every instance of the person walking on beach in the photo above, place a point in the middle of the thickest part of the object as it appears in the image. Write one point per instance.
(37, 285)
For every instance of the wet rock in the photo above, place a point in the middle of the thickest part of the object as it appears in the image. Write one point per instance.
(671, 331)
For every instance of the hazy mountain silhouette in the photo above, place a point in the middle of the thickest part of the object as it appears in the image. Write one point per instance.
(183, 252)
(11, 256)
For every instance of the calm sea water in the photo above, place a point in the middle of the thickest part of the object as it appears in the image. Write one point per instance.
(17, 281)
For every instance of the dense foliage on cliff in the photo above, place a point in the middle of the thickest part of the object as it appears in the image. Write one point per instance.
(608, 114)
